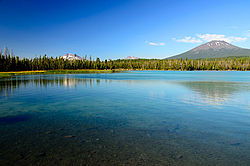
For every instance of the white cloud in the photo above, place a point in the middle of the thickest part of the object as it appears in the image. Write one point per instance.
(210, 37)
(188, 39)
(155, 44)
(237, 39)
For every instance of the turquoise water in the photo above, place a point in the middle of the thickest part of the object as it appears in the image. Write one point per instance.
(135, 118)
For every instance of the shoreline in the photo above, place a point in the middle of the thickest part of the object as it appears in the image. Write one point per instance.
(86, 71)
(37, 72)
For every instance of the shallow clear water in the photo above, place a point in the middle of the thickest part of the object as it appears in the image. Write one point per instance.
(135, 118)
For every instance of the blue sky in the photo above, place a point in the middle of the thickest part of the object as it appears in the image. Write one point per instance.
(112, 29)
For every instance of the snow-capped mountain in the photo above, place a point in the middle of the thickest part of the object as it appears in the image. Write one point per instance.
(131, 57)
(70, 56)
(213, 49)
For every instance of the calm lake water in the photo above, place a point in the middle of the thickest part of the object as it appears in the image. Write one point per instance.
(135, 118)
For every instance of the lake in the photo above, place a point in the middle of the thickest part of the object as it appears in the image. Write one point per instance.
(133, 118)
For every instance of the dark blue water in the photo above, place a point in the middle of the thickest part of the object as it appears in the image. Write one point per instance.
(135, 118)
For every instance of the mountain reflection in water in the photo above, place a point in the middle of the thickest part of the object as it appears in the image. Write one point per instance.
(212, 92)
(206, 91)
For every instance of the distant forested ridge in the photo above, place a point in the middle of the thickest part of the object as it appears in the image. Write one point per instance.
(10, 62)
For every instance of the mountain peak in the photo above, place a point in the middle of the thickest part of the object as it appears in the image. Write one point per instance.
(213, 49)
(132, 57)
(70, 56)
(215, 45)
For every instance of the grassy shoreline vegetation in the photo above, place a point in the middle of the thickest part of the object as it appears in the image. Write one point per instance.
(81, 71)
(13, 65)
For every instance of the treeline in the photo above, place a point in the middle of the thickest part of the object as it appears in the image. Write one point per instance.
(9, 62)
(233, 63)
